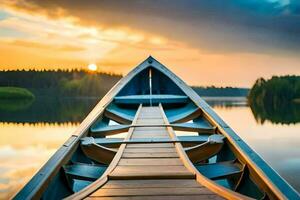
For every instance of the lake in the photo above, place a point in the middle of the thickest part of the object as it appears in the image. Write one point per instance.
(30, 132)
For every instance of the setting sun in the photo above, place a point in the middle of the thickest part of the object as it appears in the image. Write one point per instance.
(92, 67)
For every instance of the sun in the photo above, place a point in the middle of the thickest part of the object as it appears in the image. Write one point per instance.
(92, 67)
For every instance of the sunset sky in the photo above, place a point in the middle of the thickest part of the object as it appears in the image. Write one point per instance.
(205, 42)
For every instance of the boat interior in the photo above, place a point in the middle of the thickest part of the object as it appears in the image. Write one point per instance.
(211, 152)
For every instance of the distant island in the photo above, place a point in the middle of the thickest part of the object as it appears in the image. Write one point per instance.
(13, 93)
(276, 91)
(213, 91)
(276, 99)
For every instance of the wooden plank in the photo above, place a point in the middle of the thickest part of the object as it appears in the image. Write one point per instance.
(150, 155)
(150, 136)
(178, 197)
(151, 161)
(150, 109)
(157, 145)
(151, 192)
(149, 150)
(154, 183)
(150, 121)
(154, 119)
(151, 116)
(149, 131)
(150, 128)
(137, 172)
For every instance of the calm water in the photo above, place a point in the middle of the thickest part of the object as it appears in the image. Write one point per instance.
(31, 132)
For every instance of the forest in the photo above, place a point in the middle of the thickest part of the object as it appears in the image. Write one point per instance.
(221, 91)
(276, 99)
(62, 83)
(276, 91)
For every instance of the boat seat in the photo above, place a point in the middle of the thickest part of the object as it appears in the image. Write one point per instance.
(101, 141)
(84, 171)
(195, 139)
(103, 129)
(220, 170)
(199, 125)
(182, 114)
(118, 114)
(205, 150)
(109, 141)
(96, 151)
(155, 99)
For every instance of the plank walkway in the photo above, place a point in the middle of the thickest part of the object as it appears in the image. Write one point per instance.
(151, 171)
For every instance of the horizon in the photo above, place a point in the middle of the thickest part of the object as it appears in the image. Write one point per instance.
(204, 43)
(122, 75)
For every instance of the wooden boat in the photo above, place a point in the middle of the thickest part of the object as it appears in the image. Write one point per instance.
(149, 107)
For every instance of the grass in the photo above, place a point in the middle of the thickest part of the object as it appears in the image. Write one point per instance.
(14, 93)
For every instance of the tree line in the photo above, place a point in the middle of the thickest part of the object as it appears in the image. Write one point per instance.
(221, 91)
(276, 91)
(60, 82)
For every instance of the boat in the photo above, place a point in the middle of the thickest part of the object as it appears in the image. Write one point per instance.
(152, 137)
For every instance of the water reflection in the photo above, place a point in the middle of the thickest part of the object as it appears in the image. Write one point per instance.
(278, 144)
(226, 101)
(24, 148)
(288, 113)
(47, 110)
(16, 105)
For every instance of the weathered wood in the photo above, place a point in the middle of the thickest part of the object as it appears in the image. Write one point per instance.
(158, 135)
(141, 172)
(171, 197)
(150, 155)
(149, 131)
(150, 150)
(155, 145)
(99, 153)
(154, 183)
(151, 161)
(151, 191)
(149, 121)
(152, 128)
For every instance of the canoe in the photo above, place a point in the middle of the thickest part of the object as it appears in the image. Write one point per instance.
(152, 137)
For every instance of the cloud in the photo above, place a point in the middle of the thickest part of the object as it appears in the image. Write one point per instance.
(31, 44)
(269, 26)
(244, 38)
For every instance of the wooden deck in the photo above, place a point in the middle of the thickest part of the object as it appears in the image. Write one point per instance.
(151, 171)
